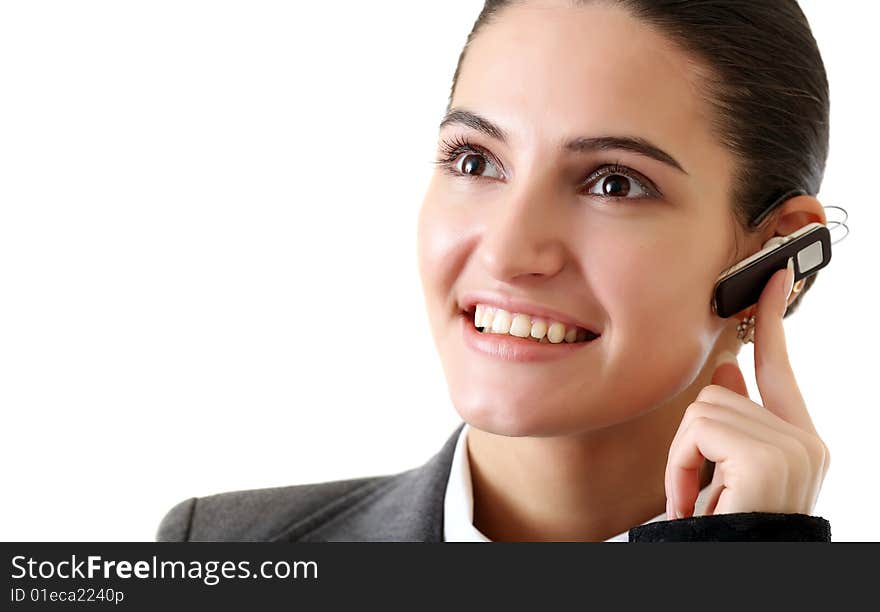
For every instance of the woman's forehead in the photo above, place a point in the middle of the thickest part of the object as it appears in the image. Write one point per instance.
(548, 71)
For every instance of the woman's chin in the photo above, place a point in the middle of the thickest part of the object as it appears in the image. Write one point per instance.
(539, 412)
(515, 418)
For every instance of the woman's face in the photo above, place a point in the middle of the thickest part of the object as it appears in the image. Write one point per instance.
(520, 217)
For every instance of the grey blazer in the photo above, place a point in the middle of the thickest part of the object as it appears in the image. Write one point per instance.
(408, 507)
(400, 507)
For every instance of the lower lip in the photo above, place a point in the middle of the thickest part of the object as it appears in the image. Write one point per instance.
(511, 348)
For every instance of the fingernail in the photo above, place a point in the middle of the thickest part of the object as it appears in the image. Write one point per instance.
(789, 279)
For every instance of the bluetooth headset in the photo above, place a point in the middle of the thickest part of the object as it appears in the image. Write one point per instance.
(740, 286)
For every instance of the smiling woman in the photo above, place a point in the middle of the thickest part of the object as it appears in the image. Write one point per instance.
(599, 165)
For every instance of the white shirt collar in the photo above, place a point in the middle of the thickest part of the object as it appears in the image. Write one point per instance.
(458, 504)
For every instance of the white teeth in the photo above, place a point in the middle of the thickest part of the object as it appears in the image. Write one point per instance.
(539, 330)
(501, 322)
(498, 321)
(556, 332)
(521, 326)
(486, 323)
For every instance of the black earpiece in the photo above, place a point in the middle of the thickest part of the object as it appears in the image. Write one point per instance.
(741, 285)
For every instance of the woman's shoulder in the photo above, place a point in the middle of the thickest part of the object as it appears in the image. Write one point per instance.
(402, 507)
(260, 514)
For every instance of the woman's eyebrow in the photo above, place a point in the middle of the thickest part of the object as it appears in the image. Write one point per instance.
(636, 145)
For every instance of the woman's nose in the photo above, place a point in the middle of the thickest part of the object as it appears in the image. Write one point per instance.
(523, 237)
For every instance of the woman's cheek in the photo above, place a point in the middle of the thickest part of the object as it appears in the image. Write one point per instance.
(652, 300)
(444, 234)
(434, 241)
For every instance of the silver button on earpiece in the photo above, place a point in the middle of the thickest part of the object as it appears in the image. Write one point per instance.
(774, 241)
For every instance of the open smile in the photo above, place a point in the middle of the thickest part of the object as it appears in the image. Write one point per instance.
(501, 344)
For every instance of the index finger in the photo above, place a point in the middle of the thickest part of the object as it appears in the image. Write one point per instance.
(776, 381)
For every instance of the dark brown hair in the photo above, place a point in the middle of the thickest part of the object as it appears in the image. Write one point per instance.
(765, 81)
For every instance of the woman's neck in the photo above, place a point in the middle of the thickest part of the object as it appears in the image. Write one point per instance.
(585, 487)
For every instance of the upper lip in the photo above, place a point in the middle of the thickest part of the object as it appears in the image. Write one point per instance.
(516, 305)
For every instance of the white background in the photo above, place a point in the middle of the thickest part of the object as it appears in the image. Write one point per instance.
(208, 274)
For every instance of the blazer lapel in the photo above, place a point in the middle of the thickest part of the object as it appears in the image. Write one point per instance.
(405, 507)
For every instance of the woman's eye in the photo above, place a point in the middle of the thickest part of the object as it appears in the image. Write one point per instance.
(459, 157)
(474, 164)
(615, 184)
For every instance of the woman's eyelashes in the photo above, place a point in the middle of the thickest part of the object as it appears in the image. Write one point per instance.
(477, 157)
(614, 187)
(461, 158)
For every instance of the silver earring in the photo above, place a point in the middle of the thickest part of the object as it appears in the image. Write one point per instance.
(745, 331)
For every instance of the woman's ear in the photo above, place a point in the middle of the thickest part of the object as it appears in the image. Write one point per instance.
(795, 213)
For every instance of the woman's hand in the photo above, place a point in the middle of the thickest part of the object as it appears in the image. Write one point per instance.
(767, 458)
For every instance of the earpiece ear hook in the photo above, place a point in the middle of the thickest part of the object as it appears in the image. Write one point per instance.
(798, 192)
(838, 223)
(779, 200)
